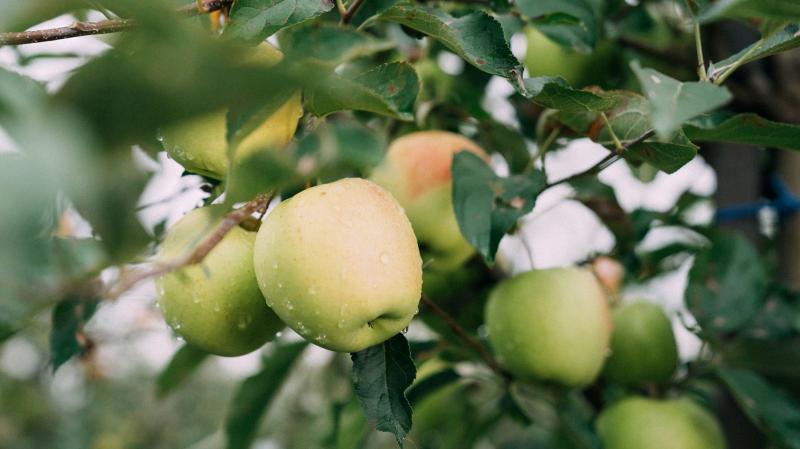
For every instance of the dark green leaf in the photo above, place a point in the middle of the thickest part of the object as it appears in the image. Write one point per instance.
(486, 205)
(261, 172)
(476, 37)
(329, 45)
(341, 148)
(69, 317)
(726, 285)
(497, 137)
(777, 360)
(749, 129)
(571, 23)
(771, 409)
(255, 394)
(785, 39)
(672, 102)
(576, 429)
(185, 362)
(760, 9)
(389, 89)
(665, 156)
(255, 20)
(430, 384)
(555, 93)
(381, 375)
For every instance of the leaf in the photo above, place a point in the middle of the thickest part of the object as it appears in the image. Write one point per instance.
(341, 148)
(69, 317)
(329, 45)
(555, 93)
(381, 375)
(486, 205)
(665, 156)
(476, 37)
(430, 384)
(571, 23)
(777, 360)
(255, 20)
(389, 89)
(509, 142)
(771, 409)
(749, 129)
(726, 285)
(185, 362)
(255, 394)
(761, 9)
(785, 39)
(371, 9)
(672, 102)
(261, 172)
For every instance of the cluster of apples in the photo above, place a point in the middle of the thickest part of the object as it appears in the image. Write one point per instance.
(340, 264)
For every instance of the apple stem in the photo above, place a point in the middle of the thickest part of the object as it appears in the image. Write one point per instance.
(351, 11)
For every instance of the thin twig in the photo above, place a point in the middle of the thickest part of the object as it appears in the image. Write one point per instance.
(231, 220)
(351, 11)
(78, 29)
(468, 339)
(698, 43)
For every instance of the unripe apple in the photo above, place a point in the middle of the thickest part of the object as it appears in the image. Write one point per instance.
(547, 58)
(643, 347)
(550, 325)
(200, 144)
(215, 305)
(340, 265)
(642, 423)
(417, 172)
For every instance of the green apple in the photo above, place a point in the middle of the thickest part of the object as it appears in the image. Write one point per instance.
(339, 263)
(547, 58)
(416, 171)
(643, 347)
(643, 423)
(550, 325)
(215, 305)
(200, 144)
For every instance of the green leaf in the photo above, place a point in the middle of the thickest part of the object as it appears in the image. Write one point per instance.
(389, 89)
(749, 129)
(261, 172)
(726, 285)
(571, 23)
(381, 375)
(509, 142)
(185, 362)
(430, 384)
(255, 20)
(486, 205)
(69, 317)
(477, 37)
(665, 156)
(785, 39)
(771, 409)
(329, 45)
(555, 93)
(777, 360)
(672, 102)
(760, 9)
(341, 148)
(370, 10)
(255, 394)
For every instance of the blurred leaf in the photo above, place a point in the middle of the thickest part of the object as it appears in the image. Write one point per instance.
(749, 129)
(668, 157)
(486, 205)
(350, 427)
(329, 45)
(255, 394)
(760, 9)
(19, 16)
(772, 410)
(255, 20)
(778, 360)
(785, 39)
(726, 285)
(389, 89)
(370, 10)
(185, 362)
(340, 148)
(571, 23)
(509, 142)
(381, 375)
(672, 102)
(244, 117)
(576, 417)
(555, 93)
(260, 172)
(430, 384)
(69, 317)
(477, 37)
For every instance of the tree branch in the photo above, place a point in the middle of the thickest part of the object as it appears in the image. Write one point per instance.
(78, 29)
(233, 219)
(351, 11)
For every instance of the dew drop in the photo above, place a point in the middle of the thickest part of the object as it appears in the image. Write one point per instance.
(280, 285)
(342, 309)
(289, 305)
(384, 258)
(340, 325)
(216, 308)
(405, 330)
(241, 324)
(180, 339)
(278, 334)
(312, 290)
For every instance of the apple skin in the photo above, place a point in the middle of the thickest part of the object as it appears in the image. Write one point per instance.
(416, 170)
(550, 325)
(215, 305)
(643, 423)
(643, 347)
(547, 58)
(200, 146)
(339, 263)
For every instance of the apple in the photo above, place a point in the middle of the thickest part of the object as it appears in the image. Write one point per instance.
(339, 263)
(200, 144)
(643, 347)
(215, 305)
(609, 272)
(644, 423)
(416, 170)
(550, 325)
(547, 58)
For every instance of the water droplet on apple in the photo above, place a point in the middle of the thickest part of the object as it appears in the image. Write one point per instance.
(384, 258)
(340, 325)
(242, 323)
(405, 330)
(275, 266)
(289, 305)
(312, 290)
(278, 334)
(216, 308)
(280, 285)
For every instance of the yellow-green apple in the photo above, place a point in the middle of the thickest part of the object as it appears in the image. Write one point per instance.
(215, 305)
(340, 265)
(547, 58)
(644, 423)
(201, 146)
(550, 325)
(643, 347)
(416, 171)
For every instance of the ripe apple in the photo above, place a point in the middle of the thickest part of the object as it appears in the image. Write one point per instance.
(416, 171)
(215, 305)
(340, 265)
(643, 347)
(201, 146)
(643, 423)
(609, 272)
(550, 325)
(547, 58)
